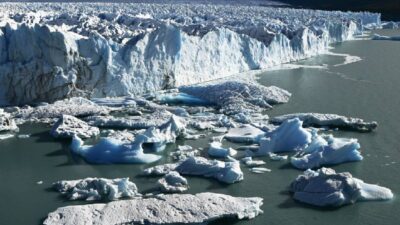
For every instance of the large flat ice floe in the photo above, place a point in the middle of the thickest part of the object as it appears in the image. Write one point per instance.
(327, 188)
(98, 50)
(328, 120)
(91, 189)
(69, 126)
(163, 209)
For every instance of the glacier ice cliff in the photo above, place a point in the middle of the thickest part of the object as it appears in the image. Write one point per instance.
(91, 189)
(201, 208)
(326, 188)
(97, 50)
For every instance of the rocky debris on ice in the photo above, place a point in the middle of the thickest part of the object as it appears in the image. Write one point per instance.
(78, 107)
(6, 122)
(227, 172)
(215, 149)
(93, 189)
(244, 134)
(233, 97)
(326, 188)
(145, 121)
(332, 151)
(68, 126)
(173, 182)
(328, 120)
(385, 38)
(201, 208)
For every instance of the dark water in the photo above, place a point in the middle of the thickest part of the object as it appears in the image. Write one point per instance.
(368, 89)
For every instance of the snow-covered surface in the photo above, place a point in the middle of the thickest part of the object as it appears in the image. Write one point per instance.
(91, 189)
(227, 172)
(328, 120)
(173, 182)
(161, 209)
(68, 126)
(325, 187)
(97, 50)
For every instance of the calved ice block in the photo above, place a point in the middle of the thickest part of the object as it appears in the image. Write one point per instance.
(328, 120)
(6, 122)
(67, 126)
(201, 208)
(91, 189)
(173, 182)
(326, 188)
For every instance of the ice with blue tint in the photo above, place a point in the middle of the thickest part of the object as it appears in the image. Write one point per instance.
(289, 136)
(109, 151)
(326, 188)
(216, 150)
(333, 151)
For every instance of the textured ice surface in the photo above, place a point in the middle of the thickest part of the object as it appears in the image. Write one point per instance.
(328, 120)
(387, 38)
(98, 50)
(289, 136)
(244, 134)
(233, 97)
(6, 122)
(91, 189)
(325, 187)
(162, 209)
(330, 152)
(173, 182)
(227, 172)
(68, 126)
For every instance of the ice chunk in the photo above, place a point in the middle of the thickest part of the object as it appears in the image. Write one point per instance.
(216, 150)
(289, 136)
(335, 151)
(248, 161)
(68, 126)
(91, 189)
(6, 122)
(328, 120)
(259, 170)
(184, 152)
(276, 157)
(109, 150)
(201, 208)
(173, 182)
(325, 187)
(245, 134)
(6, 136)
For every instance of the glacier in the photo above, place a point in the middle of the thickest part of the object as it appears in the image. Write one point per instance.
(326, 188)
(97, 50)
(200, 208)
(93, 189)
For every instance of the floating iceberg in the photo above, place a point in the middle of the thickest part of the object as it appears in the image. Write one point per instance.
(248, 161)
(173, 182)
(215, 149)
(245, 134)
(68, 126)
(163, 209)
(91, 189)
(227, 172)
(184, 152)
(327, 188)
(385, 38)
(335, 151)
(6, 122)
(289, 136)
(328, 120)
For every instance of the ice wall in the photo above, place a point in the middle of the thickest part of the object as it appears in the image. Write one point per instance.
(53, 51)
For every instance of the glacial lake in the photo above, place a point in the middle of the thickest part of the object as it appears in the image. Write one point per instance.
(368, 89)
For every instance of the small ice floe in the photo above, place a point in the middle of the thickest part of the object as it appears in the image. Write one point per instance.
(6, 136)
(91, 189)
(276, 157)
(244, 134)
(173, 182)
(328, 120)
(39, 182)
(23, 136)
(227, 172)
(385, 38)
(201, 208)
(248, 161)
(326, 188)
(216, 150)
(68, 126)
(183, 152)
(259, 170)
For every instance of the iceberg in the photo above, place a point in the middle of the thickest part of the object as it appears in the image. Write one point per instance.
(326, 188)
(94, 189)
(173, 182)
(6, 122)
(216, 150)
(201, 208)
(335, 151)
(328, 120)
(69, 126)
(95, 51)
(227, 172)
